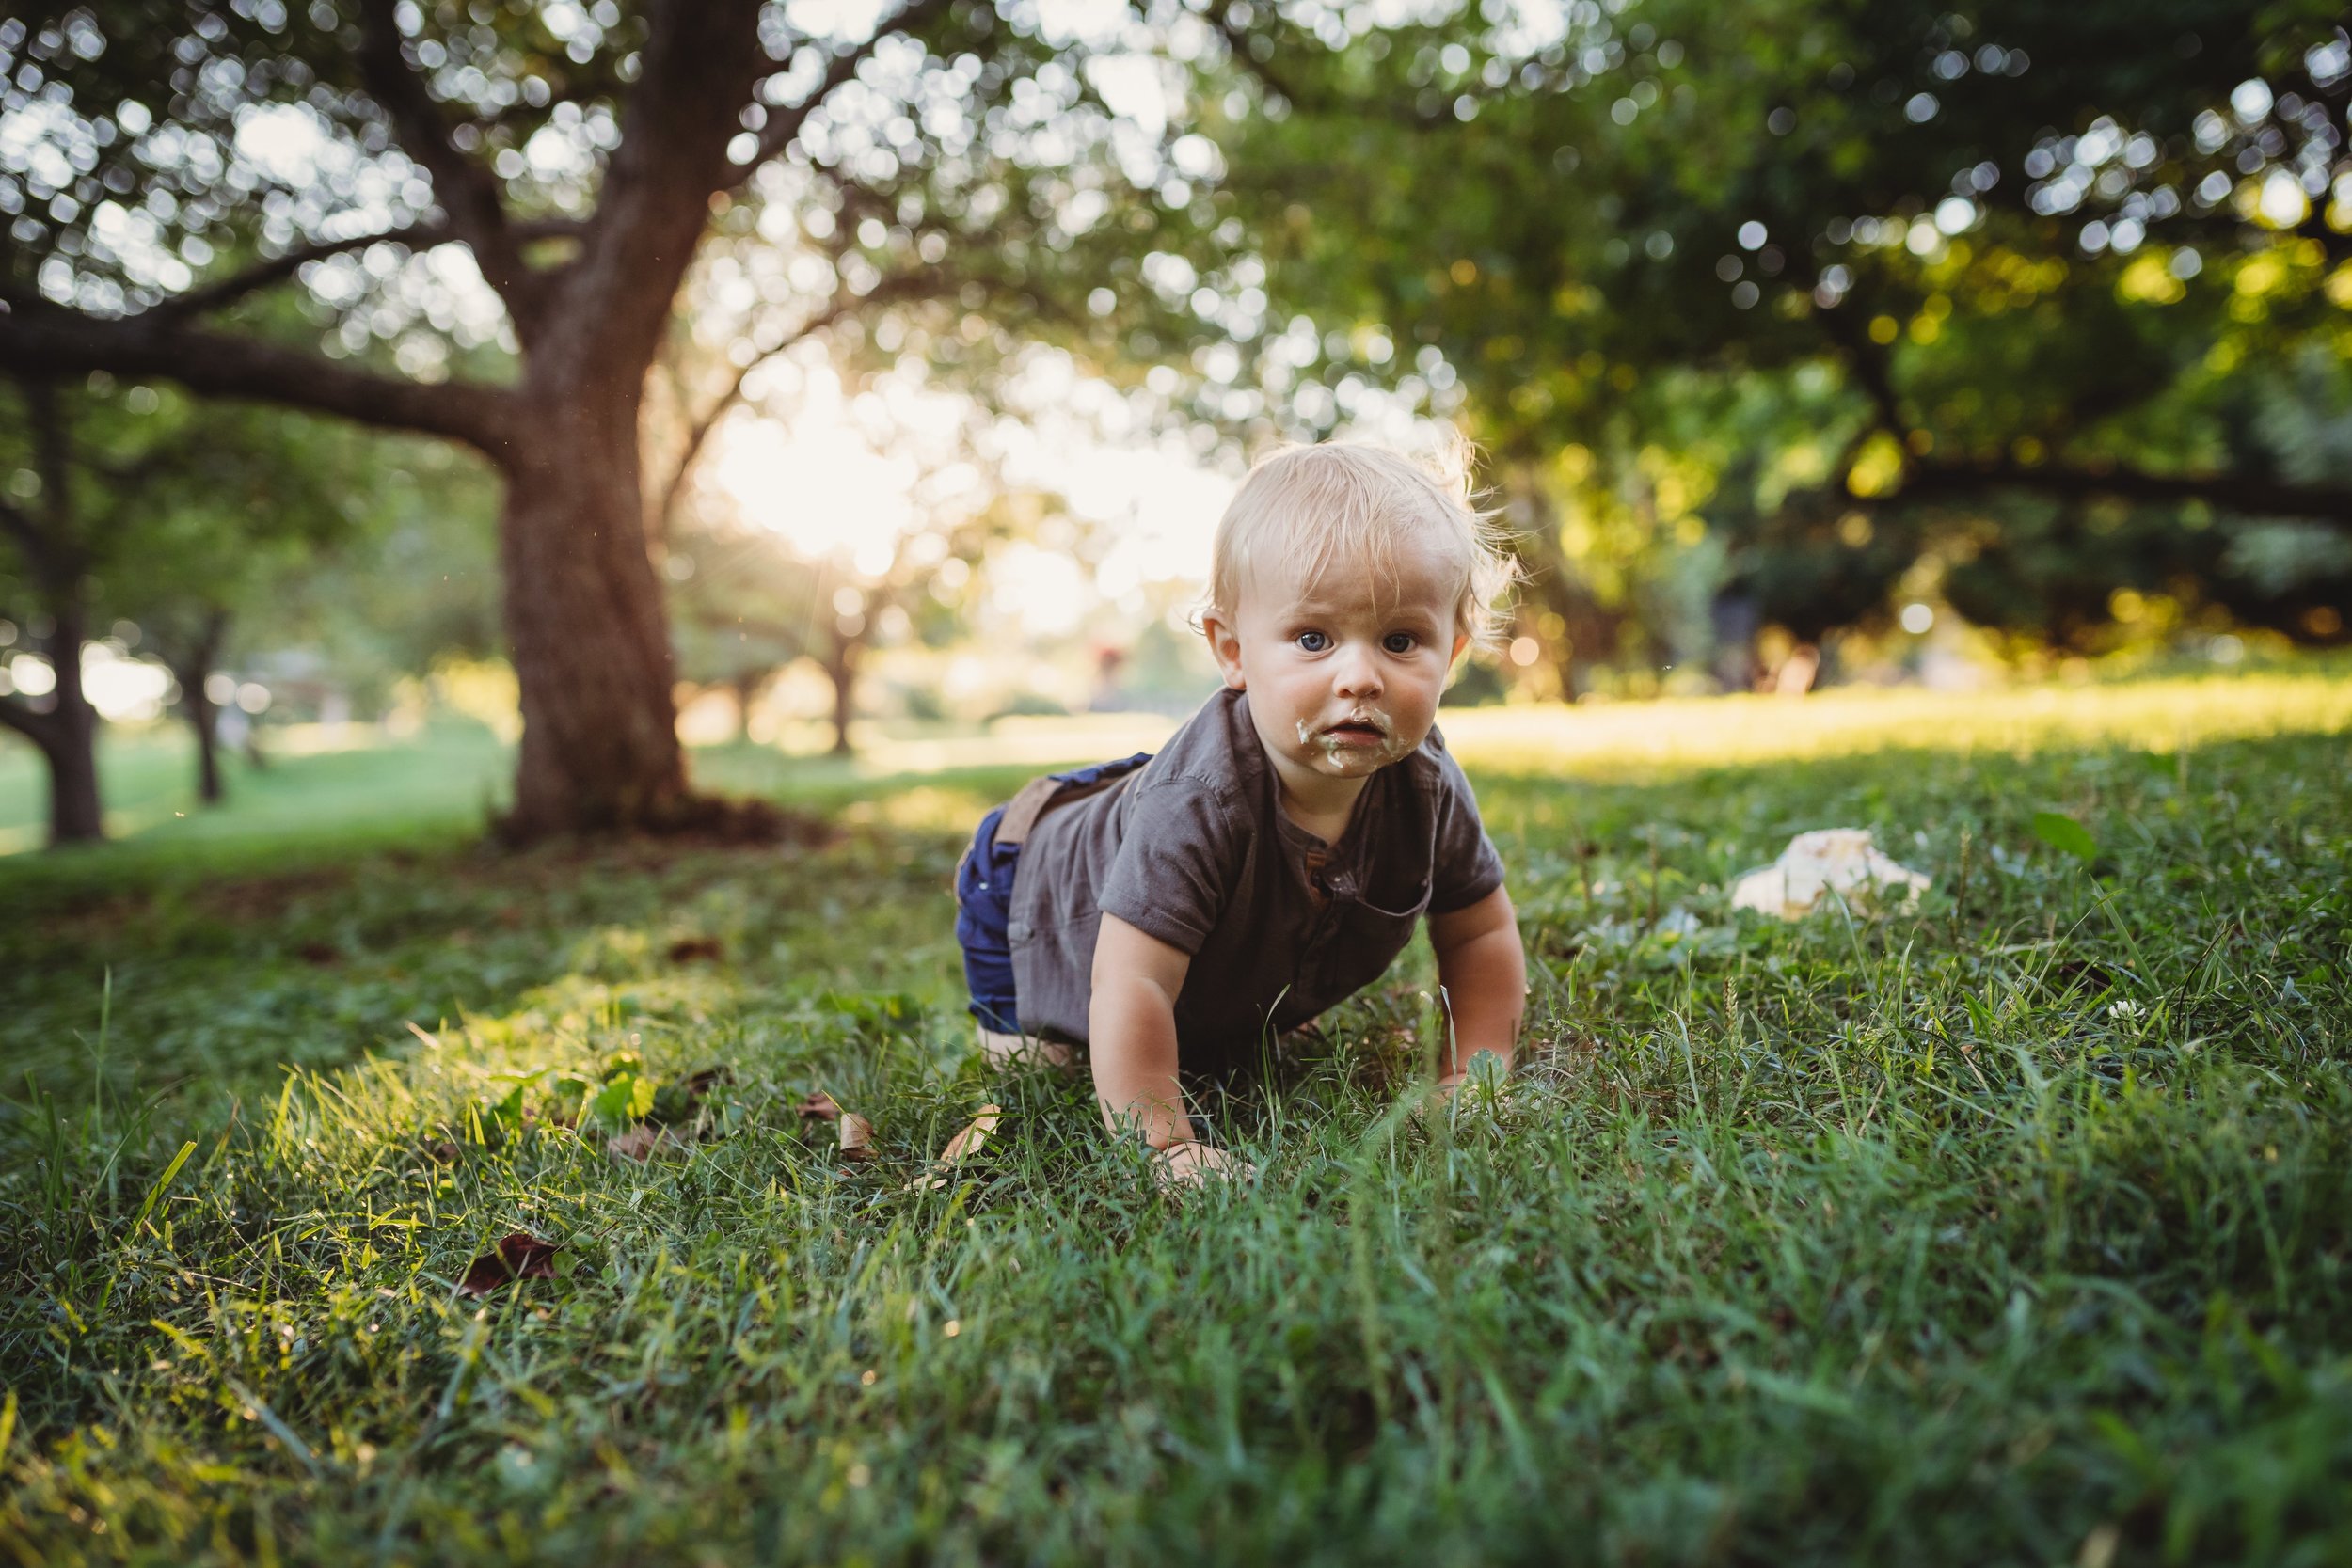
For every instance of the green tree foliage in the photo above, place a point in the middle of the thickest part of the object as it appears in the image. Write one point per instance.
(413, 580)
(235, 501)
(210, 528)
(1850, 287)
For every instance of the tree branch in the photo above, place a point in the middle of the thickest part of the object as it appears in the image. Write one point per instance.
(2230, 492)
(911, 286)
(467, 192)
(1290, 89)
(785, 123)
(222, 293)
(55, 342)
(1867, 363)
(696, 72)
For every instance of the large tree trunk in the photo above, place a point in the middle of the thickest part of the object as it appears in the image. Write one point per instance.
(68, 739)
(590, 638)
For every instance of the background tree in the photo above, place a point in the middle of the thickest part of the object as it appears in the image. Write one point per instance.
(238, 502)
(1931, 270)
(55, 552)
(149, 508)
(577, 157)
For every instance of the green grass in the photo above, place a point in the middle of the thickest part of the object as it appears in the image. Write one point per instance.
(2013, 1228)
(331, 800)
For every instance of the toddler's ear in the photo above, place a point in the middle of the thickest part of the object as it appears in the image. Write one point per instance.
(1225, 647)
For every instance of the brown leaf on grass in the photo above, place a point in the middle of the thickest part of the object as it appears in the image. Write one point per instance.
(442, 1152)
(966, 1142)
(971, 1138)
(688, 949)
(519, 1255)
(820, 1106)
(857, 1137)
(643, 1142)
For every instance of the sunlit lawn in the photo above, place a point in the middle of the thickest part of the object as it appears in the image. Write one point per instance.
(2013, 1228)
(324, 789)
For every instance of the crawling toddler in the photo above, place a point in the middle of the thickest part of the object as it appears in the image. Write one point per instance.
(1169, 914)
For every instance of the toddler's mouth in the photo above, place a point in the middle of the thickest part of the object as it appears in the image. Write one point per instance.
(1357, 732)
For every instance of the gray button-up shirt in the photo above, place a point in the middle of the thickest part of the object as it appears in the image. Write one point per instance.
(1193, 849)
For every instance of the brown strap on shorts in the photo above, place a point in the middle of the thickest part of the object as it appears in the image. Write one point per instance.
(1024, 808)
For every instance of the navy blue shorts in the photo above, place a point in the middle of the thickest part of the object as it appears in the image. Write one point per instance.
(984, 906)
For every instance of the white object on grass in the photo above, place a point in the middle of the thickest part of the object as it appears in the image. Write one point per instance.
(1830, 860)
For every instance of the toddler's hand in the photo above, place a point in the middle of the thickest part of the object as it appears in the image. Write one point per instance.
(1195, 1165)
(1486, 1077)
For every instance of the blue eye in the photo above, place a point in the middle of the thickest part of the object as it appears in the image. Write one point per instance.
(1400, 642)
(1312, 641)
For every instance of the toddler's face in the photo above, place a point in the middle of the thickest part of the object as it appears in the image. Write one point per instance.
(1344, 677)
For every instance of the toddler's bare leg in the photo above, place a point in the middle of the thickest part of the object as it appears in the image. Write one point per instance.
(1004, 1051)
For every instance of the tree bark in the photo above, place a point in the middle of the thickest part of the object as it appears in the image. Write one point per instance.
(191, 664)
(66, 730)
(76, 814)
(586, 621)
(66, 734)
(206, 724)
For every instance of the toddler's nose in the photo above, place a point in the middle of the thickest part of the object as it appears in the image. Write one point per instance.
(1355, 675)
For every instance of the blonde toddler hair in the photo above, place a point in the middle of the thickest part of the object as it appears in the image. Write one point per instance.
(1345, 505)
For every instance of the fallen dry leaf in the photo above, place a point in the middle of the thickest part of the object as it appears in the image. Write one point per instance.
(687, 949)
(519, 1255)
(643, 1142)
(681, 1102)
(857, 1136)
(442, 1152)
(969, 1140)
(700, 1084)
(966, 1142)
(821, 1106)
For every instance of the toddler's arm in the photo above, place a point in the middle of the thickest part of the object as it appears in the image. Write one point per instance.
(1131, 1039)
(1483, 971)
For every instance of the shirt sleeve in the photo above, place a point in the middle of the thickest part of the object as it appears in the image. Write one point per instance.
(1179, 858)
(1467, 868)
